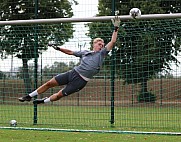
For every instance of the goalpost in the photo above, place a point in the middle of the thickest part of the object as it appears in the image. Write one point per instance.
(89, 19)
(91, 108)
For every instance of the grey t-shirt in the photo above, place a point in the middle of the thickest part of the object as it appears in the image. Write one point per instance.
(90, 62)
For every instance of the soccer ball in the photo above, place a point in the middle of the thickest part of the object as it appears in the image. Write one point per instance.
(135, 13)
(13, 123)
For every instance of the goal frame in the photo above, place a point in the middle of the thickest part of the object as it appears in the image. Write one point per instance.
(89, 19)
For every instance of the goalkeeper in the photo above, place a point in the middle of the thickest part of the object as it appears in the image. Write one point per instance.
(76, 79)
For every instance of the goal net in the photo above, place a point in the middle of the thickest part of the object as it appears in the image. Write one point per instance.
(138, 85)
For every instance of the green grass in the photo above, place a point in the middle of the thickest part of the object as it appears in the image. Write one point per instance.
(146, 119)
(48, 136)
(166, 119)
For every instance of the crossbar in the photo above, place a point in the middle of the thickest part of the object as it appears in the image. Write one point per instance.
(88, 19)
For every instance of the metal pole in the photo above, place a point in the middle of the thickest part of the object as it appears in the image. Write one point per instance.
(89, 19)
(4, 84)
(36, 62)
(112, 73)
(105, 86)
(161, 90)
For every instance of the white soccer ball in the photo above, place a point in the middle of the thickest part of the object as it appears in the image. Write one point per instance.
(135, 13)
(13, 123)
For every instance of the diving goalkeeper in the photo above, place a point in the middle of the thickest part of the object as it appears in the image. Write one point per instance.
(77, 78)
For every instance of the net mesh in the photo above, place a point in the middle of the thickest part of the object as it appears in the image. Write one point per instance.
(135, 88)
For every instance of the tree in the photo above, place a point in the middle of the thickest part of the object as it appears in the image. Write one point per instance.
(2, 75)
(20, 73)
(54, 69)
(28, 41)
(144, 47)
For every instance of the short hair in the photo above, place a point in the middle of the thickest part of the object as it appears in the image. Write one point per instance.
(97, 40)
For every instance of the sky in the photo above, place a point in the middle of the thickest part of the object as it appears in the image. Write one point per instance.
(85, 8)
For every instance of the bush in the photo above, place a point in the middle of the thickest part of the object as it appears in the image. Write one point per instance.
(146, 97)
(2, 75)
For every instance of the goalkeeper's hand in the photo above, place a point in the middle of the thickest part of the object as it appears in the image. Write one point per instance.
(116, 22)
(54, 45)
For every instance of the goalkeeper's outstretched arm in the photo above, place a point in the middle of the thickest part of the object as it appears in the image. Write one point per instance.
(116, 23)
(64, 50)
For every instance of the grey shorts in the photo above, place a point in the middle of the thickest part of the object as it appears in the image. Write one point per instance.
(73, 81)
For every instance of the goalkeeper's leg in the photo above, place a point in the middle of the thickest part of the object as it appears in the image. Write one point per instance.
(52, 98)
(76, 84)
(60, 79)
(49, 84)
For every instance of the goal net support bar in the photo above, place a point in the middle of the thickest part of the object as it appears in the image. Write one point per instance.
(88, 19)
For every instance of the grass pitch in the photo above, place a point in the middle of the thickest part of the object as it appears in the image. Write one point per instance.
(47, 136)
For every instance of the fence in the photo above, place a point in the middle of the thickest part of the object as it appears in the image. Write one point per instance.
(134, 90)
